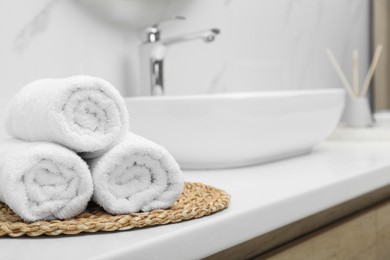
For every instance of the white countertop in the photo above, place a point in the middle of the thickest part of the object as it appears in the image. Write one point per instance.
(264, 198)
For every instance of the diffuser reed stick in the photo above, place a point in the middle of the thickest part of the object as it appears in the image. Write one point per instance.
(340, 73)
(355, 71)
(355, 93)
(371, 70)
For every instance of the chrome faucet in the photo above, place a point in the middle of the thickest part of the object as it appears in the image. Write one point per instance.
(153, 51)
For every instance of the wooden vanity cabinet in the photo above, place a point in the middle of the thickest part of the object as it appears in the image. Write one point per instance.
(357, 229)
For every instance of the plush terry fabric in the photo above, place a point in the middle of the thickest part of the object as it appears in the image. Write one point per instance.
(42, 181)
(83, 113)
(135, 175)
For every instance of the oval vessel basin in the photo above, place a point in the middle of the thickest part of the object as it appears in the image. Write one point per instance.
(237, 129)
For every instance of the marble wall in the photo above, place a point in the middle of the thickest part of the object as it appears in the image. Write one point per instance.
(263, 44)
(269, 44)
(56, 38)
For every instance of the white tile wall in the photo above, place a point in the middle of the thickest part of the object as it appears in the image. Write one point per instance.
(264, 44)
(284, 40)
(56, 38)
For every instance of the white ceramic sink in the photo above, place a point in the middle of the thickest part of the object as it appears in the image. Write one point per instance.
(237, 129)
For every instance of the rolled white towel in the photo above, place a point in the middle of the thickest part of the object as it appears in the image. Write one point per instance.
(135, 175)
(83, 113)
(42, 181)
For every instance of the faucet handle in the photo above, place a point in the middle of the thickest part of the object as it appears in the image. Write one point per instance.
(153, 32)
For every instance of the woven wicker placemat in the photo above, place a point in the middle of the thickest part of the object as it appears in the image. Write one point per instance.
(197, 200)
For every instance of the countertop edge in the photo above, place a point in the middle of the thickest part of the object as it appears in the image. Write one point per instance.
(226, 231)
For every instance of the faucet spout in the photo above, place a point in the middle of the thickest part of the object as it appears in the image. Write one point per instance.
(205, 35)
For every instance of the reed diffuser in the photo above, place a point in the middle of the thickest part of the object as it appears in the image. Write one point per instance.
(357, 111)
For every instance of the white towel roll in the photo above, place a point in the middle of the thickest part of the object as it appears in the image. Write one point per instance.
(83, 113)
(135, 175)
(42, 181)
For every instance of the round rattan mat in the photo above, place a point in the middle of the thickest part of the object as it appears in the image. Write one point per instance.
(196, 201)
